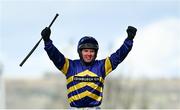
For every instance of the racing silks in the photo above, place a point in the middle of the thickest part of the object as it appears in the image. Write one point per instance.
(85, 83)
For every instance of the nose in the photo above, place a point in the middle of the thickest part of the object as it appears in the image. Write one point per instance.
(89, 53)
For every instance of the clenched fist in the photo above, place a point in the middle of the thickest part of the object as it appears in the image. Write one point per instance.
(131, 31)
(46, 34)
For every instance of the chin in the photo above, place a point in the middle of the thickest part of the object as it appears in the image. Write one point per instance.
(88, 61)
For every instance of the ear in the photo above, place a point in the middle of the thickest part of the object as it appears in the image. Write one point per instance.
(80, 54)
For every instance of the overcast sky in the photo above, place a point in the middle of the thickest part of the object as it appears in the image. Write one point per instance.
(156, 51)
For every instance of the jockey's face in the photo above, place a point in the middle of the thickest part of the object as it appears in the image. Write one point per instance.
(88, 55)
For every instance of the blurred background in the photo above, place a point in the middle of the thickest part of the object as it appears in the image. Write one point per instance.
(148, 78)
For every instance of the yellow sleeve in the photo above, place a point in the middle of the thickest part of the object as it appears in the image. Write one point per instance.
(65, 67)
(108, 66)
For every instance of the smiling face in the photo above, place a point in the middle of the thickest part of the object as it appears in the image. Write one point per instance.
(88, 55)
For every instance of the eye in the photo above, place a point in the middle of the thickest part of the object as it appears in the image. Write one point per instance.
(86, 50)
(92, 50)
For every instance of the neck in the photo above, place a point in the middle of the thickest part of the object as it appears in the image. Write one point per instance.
(87, 63)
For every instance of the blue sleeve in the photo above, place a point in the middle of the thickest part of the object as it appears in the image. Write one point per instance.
(54, 54)
(117, 57)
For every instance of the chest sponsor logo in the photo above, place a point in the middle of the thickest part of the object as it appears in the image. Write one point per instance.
(86, 78)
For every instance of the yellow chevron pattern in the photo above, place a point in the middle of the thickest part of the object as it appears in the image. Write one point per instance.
(83, 84)
(86, 72)
(84, 94)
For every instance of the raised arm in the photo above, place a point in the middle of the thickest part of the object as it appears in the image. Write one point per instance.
(57, 57)
(117, 57)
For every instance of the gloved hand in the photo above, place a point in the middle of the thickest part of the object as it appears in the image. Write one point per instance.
(131, 31)
(45, 33)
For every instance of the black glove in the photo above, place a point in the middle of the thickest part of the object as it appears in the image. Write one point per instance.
(45, 33)
(131, 31)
